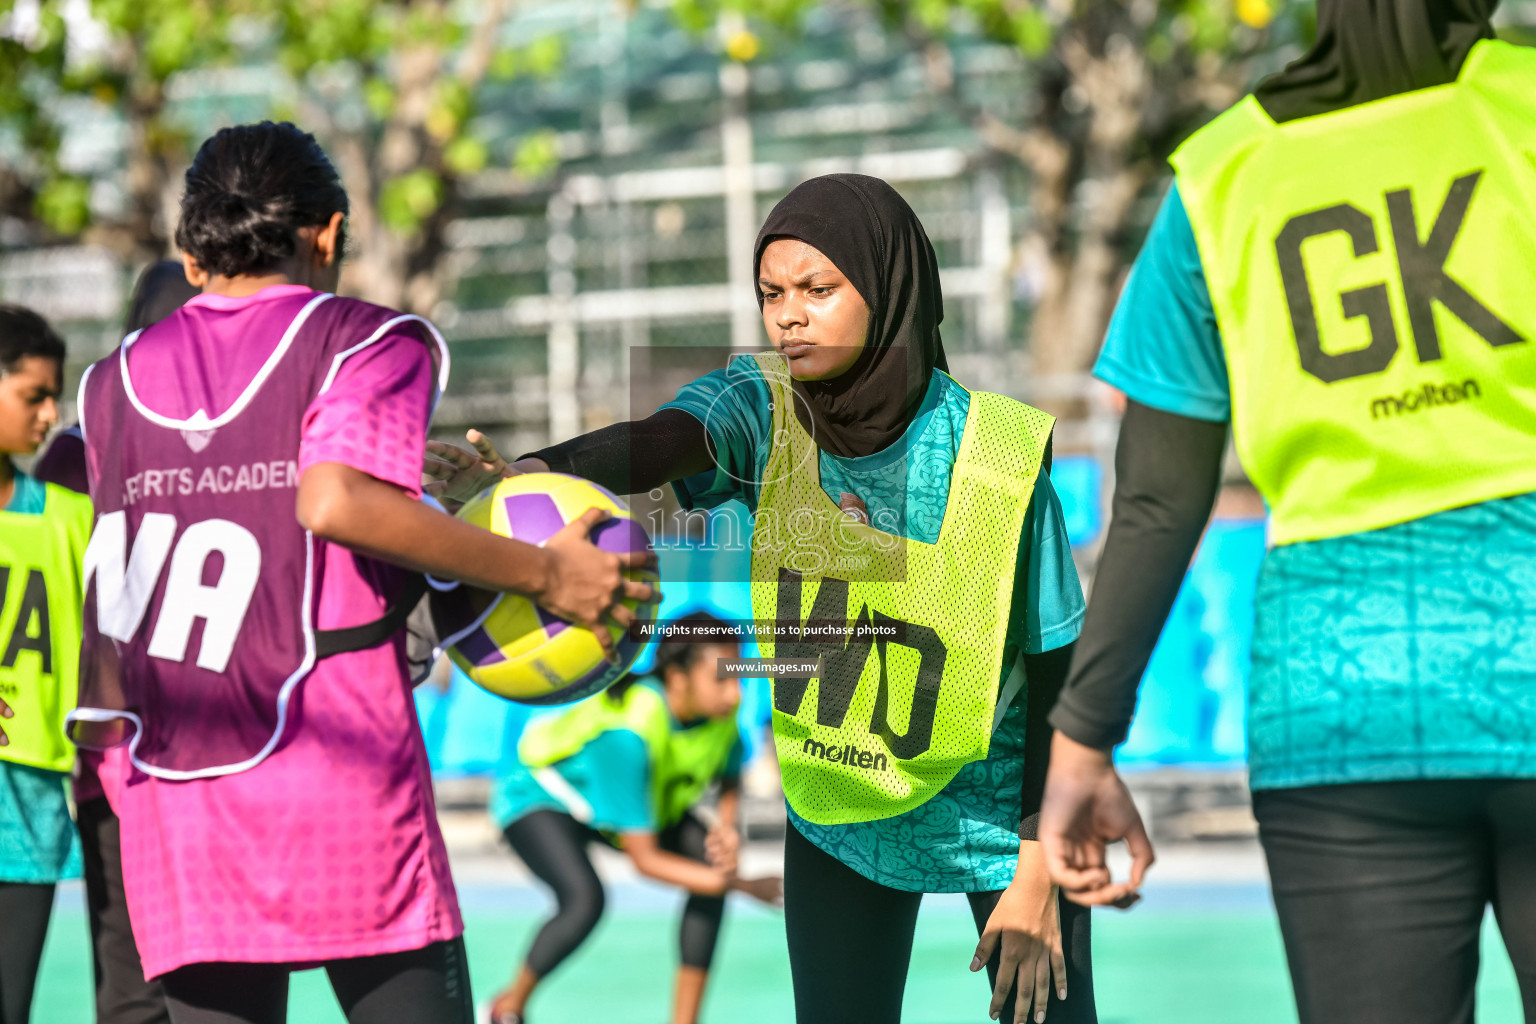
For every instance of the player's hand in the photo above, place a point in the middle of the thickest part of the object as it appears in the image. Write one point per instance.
(769, 890)
(587, 584)
(458, 475)
(1087, 807)
(1024, 929)
(722, 846)
(5, 712)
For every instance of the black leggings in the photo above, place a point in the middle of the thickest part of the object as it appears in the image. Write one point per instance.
(122, 994)
(1381, 890)
(24, 912)
(554, 846)
(850, 941)
(421, 986)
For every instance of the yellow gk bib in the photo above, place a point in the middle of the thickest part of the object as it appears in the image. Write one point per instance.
(910, 635)
(1373, 273)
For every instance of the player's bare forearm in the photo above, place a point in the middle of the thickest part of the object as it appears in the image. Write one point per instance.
(730, 805)
(348, 507)
(654, 862)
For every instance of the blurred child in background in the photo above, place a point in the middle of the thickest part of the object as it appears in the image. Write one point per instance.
(627, 767)
(43, 533)
(123, 996)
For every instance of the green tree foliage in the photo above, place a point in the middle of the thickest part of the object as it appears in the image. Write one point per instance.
(123, 58)
(388, 87)
(1116, 84)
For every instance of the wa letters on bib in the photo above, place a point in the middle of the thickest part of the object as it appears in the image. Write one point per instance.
(1372, 279)
(201, 586)
(910, 635)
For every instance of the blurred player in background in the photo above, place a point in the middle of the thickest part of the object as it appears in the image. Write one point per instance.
(909, 502)
(255, 459)
(123, 996)
(1346, 269)
(43, 533)
(627, 767)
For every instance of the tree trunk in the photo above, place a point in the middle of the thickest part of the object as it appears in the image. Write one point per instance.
(143, 235)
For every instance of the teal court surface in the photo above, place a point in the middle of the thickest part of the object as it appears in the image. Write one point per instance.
(1189, 954)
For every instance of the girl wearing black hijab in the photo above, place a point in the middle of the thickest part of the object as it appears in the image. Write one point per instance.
(1345, 268)
(977, 578)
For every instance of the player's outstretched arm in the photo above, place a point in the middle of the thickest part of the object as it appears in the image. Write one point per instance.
(568, 575)
(653, 862)
(627, 458)
(1168, 470)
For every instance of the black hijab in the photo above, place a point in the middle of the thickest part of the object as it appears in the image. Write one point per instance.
(870, 234)
(1370, 49)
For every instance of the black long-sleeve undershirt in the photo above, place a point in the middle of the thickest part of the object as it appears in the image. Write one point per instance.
(1046, 675)
(1168, 470)
(634, 457)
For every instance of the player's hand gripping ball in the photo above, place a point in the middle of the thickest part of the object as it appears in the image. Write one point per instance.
(518, 650)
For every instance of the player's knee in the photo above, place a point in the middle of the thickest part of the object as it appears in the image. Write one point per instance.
(585, 909)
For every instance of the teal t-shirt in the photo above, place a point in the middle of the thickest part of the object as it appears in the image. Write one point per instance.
(37, 836)
(1395, 654)
(606, 784)
(966, 838)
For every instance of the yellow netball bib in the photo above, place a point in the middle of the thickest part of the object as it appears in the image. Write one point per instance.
(683, 760)
(910, 635)
(1373, 273)
(40, 559)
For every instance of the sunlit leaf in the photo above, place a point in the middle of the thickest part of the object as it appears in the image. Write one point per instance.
(405, 202)
(1255, 13)
(504, 64)
(544, 57)
(466, 155)
(742, 46)
(537, 155)
(1032, 32)
(379, 95)
(64, 204)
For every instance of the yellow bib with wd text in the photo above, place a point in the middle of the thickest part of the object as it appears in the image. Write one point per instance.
(910, 635)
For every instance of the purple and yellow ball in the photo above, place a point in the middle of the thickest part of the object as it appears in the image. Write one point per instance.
(520, 651)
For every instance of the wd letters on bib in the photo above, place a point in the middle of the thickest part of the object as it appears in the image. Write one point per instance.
(909, 688)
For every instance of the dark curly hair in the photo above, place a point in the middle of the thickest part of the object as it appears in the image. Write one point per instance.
(682, 644)
(692, 632)
(249, 189)
(24, 333)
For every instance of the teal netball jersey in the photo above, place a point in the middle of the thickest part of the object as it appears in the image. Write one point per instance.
(38, 843)
(1394, 654)
(966, 838)
(606, 784)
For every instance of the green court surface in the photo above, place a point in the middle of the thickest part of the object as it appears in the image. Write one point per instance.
(1199, 956)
